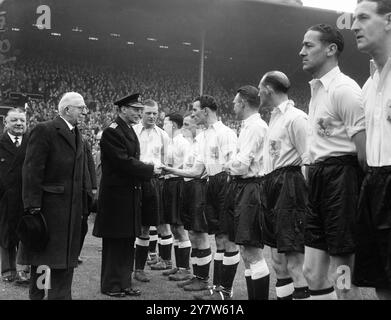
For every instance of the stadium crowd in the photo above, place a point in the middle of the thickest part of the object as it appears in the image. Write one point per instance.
(174, 85)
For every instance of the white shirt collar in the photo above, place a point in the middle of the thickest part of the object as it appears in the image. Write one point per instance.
(250, 119)
(374, 68)
(216, 125)
(283, 107)
(20, 138)
(328, 78)
(68, 124)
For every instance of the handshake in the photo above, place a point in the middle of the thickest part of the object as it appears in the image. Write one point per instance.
(160, 169)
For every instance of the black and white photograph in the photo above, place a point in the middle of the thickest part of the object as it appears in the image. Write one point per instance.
(180, 153)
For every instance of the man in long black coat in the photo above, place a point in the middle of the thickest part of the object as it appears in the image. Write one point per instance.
(12, 152)
(53, 183)
(118, 219)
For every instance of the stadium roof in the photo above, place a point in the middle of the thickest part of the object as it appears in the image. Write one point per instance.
(249, 31)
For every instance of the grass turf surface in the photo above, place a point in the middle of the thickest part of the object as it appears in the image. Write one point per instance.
(86, 280)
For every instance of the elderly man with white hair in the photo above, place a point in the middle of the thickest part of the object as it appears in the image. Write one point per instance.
(52, 185)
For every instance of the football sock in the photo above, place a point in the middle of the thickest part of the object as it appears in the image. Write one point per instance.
(325, 294)
(203, 261)
(228, 271)
(184, 249)
(217, 265)
(260, 276)
(285, 289)
(141, 252)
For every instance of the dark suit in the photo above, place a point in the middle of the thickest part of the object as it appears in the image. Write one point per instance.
(11, 204)
(118, 220)
(53, 181)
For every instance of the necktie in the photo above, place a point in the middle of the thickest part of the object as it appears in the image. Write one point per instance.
(73, 132)
(16, 142)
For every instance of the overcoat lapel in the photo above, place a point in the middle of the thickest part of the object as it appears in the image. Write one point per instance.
(63, 130)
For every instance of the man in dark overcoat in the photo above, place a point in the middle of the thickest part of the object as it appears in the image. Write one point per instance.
(53, 185)
(13, 144)
(118, 220)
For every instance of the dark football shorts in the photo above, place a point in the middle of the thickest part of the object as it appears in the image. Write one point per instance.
(216, 190)
(284, 203)
(334, 188)
(152, 205)
(373, 254)
(243, 212)
(193, 206)
(172, 200)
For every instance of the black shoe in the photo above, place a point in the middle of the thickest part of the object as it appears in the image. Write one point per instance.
(132, 292)
(118, 294)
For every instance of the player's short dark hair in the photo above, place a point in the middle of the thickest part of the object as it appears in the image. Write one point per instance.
(176, 118)
(278, 81)
(207, 102)
(330, 35)
(250, 95)
(383, 6)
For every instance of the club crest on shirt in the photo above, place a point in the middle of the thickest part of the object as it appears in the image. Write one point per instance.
(214, 153)
(324, 127)
(388, 110)
(275, 148)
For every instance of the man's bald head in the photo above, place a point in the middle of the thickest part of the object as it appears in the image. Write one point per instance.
(278, 80)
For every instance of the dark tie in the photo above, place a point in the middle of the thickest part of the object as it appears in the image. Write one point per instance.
(73, 132)
(16, 142)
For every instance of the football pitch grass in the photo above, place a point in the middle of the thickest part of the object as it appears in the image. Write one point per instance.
(86, 280)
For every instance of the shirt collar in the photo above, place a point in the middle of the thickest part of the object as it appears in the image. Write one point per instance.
(143, 128)
(216, 125)
(283, 107)
(68, 124)
(13, 137)
(373, 66)
(250, 119)
(328, 78)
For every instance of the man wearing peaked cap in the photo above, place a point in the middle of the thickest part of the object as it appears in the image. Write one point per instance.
(132, 100)
(118, 221)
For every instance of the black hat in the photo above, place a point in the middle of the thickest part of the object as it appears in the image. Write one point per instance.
(33, 232)
(132, 100)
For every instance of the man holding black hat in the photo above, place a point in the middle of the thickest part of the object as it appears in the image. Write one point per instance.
(118, 220)
(52, 189)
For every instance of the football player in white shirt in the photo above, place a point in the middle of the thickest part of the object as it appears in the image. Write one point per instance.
(193, 206)
(243, 201)
(372, 27)
(218, 145)
(336, 151)
(172, 197)
(153, 144)
(284, 191)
